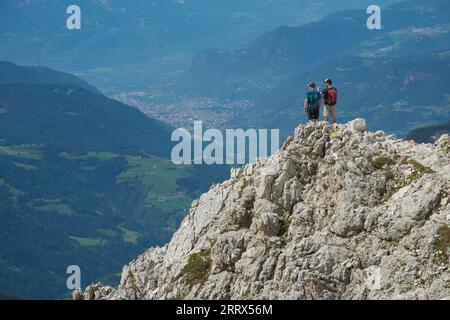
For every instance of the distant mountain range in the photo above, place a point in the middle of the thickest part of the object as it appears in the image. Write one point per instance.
(408, 27)
(116, 32)
(395, 77)
(84, 180)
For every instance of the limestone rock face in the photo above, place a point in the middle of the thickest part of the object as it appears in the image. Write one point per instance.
(337, 213)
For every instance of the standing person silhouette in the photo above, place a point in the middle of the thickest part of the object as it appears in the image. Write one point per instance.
(312, 103)
(329, 99)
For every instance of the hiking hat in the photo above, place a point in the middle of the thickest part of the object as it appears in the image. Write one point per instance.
(328, 81)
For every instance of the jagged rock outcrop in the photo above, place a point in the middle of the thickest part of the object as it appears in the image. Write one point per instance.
(337, 213)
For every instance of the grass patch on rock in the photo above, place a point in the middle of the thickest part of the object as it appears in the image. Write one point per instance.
(286, 223)
(389, 175)
(419, 170)
(246, 184)
(382, 161)
(197, 269)
(396, 183)
(442, 244)
(133, 282)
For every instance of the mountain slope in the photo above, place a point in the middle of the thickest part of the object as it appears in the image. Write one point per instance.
(337, 213)
(82, 176)
(77, 120)
(42, 106)
(428, 134)
(13, 73)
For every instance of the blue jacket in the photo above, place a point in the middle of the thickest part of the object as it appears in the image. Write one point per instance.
(313, 98)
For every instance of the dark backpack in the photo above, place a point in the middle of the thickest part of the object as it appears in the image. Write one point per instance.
(313, 98)
(331, 97)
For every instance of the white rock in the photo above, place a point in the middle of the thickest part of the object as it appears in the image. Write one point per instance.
(358, 125)
(309, 224)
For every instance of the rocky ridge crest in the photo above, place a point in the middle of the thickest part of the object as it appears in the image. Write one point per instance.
(336, 213)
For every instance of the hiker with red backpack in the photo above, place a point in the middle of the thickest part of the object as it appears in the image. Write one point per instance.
(330, 98)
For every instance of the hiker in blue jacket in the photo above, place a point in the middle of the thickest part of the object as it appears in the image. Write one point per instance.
(312, 103)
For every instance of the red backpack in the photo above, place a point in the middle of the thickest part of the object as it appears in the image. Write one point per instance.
(331, 97)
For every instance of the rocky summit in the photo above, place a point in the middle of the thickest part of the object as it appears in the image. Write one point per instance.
(336, 213)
